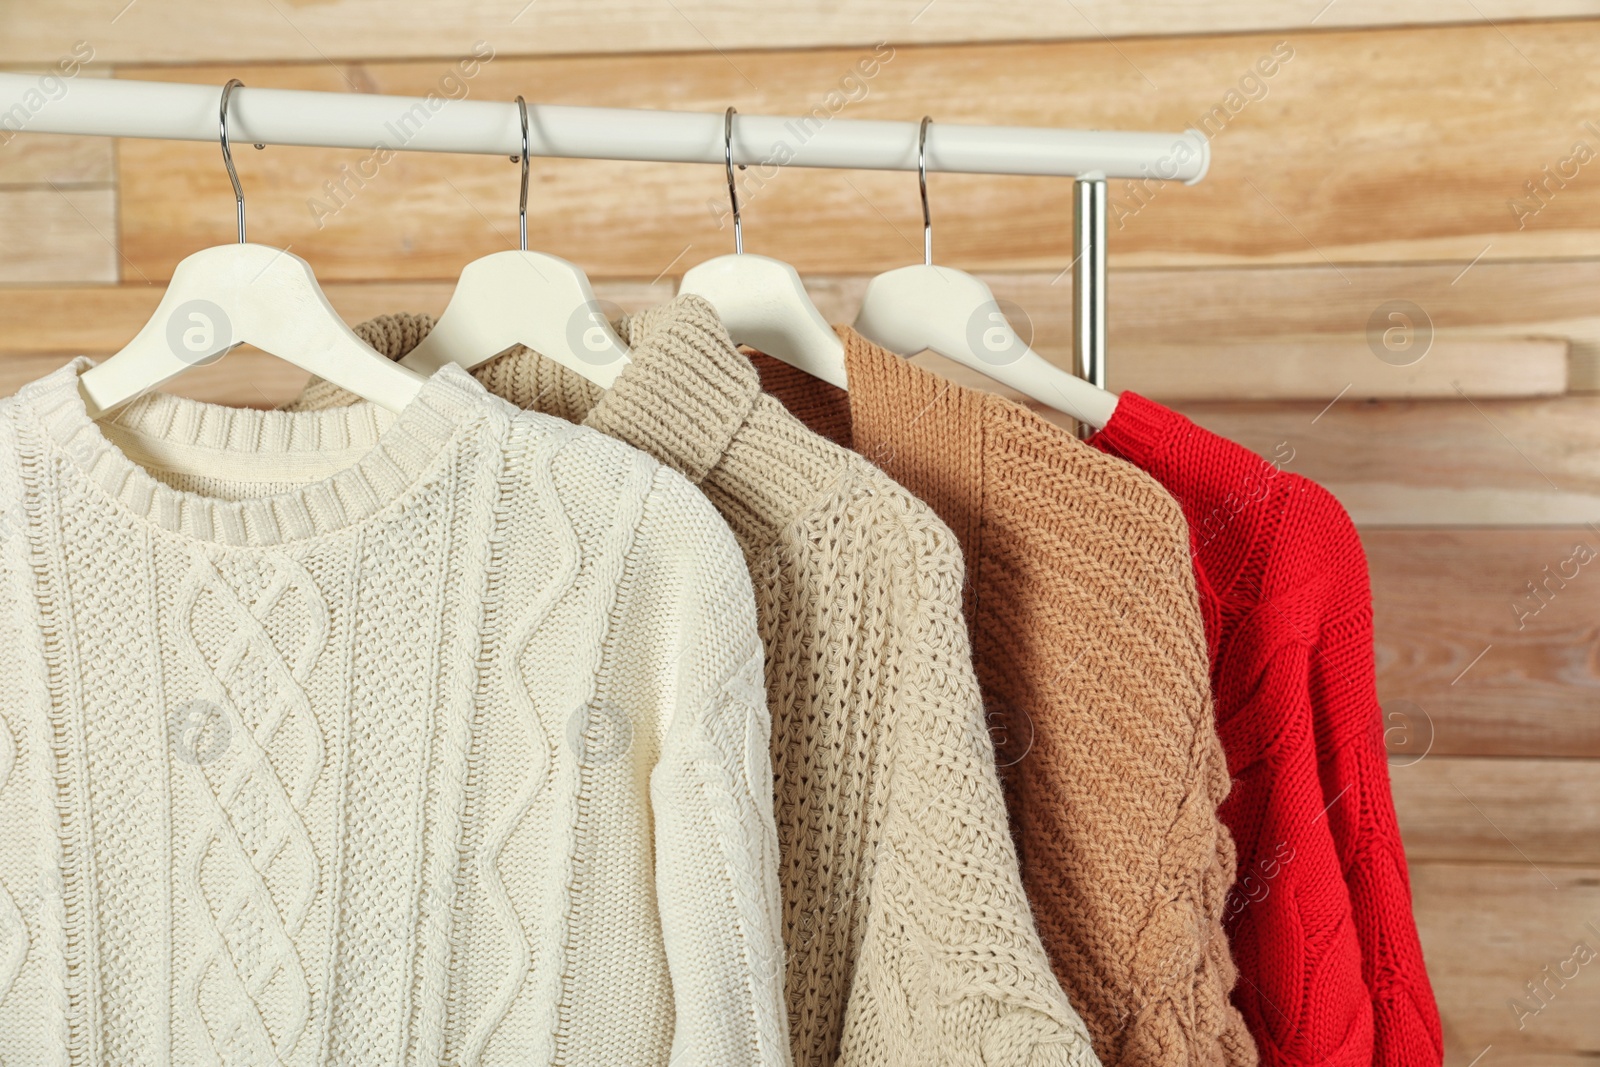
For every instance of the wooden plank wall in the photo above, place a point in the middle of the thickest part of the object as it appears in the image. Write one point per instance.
(1440, 153)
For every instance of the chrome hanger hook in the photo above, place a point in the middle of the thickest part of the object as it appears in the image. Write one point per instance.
(522, 202)
(922, 184)
(733, 192)
(227, 153)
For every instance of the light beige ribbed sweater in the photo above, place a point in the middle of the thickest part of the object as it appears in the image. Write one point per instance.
(907, 930)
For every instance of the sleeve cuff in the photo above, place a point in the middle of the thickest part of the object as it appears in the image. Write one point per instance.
(1139, 431)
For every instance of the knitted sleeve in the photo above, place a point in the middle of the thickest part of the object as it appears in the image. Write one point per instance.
(716, 849)
(32, 927)
(1355, 775)
(951, 968)
(1288, 914)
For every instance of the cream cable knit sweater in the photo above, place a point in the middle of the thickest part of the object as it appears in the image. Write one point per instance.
(341, 737)
(908, 933)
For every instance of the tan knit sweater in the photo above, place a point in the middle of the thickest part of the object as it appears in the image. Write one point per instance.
(1092, 658)
(908, 935)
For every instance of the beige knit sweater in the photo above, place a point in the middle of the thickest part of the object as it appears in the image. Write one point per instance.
(1092, 657)
(908, 935)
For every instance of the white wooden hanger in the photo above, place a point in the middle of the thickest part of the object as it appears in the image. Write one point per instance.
(762, 301)
(540, 301)
(952, 313)
(245, 293)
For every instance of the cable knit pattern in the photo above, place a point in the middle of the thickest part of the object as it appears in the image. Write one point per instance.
(908, 936)
(1092, 659)
(1321, 921)
(13, 930)
(249, 863)
(348, 737)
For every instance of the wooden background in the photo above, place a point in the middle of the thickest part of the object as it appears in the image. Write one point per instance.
(1382, 161)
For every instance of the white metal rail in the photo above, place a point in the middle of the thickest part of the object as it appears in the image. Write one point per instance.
(111, 107)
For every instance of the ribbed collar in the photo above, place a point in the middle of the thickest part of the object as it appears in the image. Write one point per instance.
(394, 451)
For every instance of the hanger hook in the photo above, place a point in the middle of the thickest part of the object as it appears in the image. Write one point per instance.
(733, 193)
(522, 202)
(227, 153)
(922, 184)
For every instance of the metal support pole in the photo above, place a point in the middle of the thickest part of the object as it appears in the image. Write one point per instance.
(1089, 282)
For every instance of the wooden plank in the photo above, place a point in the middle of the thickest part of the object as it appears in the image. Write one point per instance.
(1405, 463)
(54, 236)
(1399, 463)
(1406, 169)
(186, 31)
(1159, 345)
(1169, 366)
(1469, 661)
(1486, 932)
(1320, 368)
(42, 328)
(1206, 319)
(99, 320)
(1226, 306)
(1509, 811)
(61, 161)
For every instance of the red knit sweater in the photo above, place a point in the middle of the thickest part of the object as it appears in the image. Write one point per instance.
(1330, 968)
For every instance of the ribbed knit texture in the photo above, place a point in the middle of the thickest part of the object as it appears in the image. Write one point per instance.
(1332, 969)
(908, 932)
(346, 737)
(1091, 654)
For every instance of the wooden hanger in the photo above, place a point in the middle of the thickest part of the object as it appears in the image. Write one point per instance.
(762, 301)
(540, 301)
(950, 312)
(245, 293)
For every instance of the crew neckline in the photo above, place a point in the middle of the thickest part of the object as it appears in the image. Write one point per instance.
(391, 453)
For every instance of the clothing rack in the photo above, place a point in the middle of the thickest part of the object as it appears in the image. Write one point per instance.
(109, 107)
